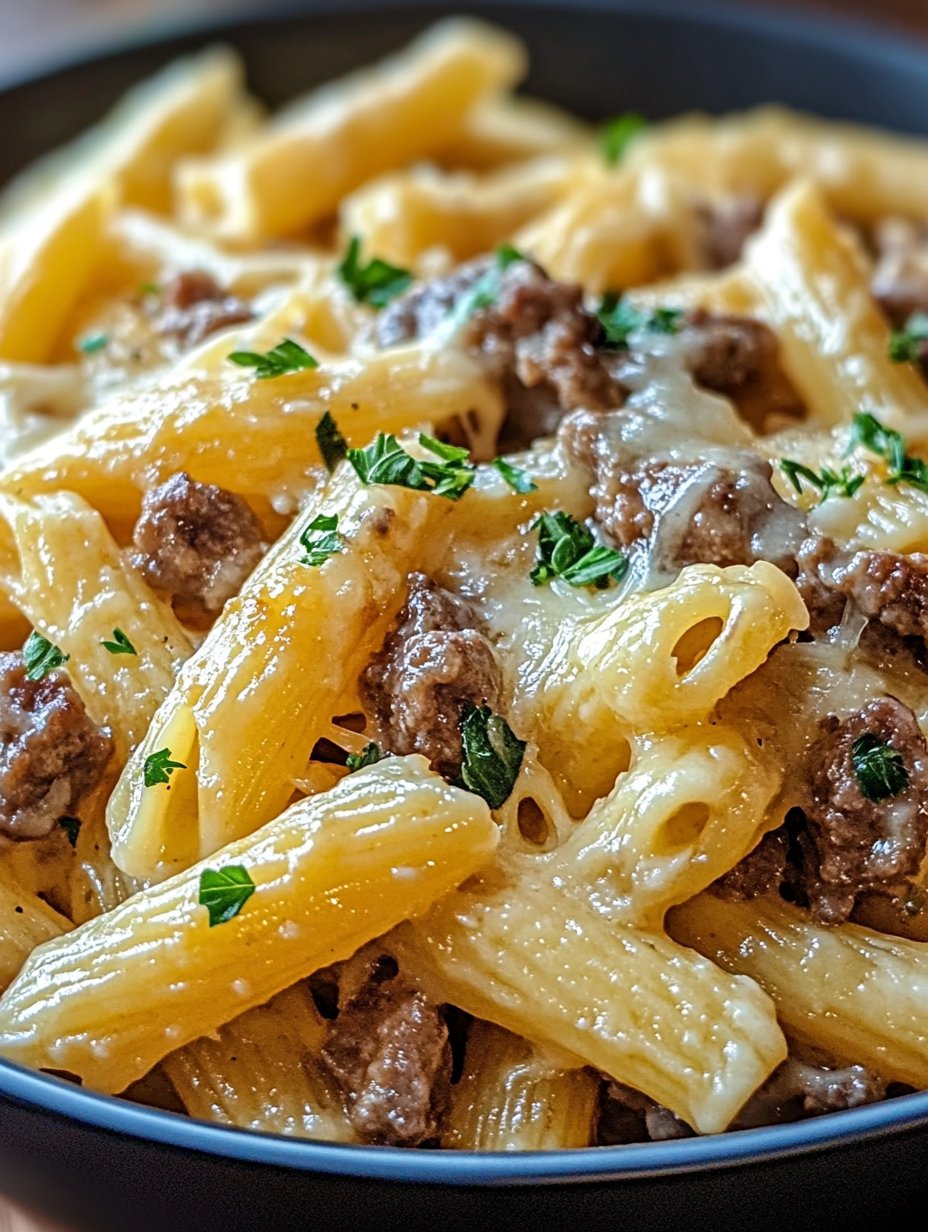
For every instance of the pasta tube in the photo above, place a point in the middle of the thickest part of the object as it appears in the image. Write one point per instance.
(330, 873)
(317, 150)
(512, 1098)
(630, 1003)
(849, 991)
(25, 922)
(263, 1072)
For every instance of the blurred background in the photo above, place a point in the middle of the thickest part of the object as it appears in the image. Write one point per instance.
(35, 31)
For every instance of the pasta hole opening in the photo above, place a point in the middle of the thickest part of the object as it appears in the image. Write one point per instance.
(533, 824)
(696, 643)
(682, 828)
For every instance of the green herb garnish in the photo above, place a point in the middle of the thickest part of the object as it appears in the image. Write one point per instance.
(878, 767)
(519, 480)
(375, 283)
(492, 755)
(370, 755)
(321, 539)
(617, 134)
(224, 892)
(889, 445)
(71, 827)
(827, 482)
(905, 344)
(620, 319)
(567, 549)
(120, 645)
(91, 343)
(486, 290)
(159, 767)
(386, 461)
(332, 445)
(41, 656)
(287, 356)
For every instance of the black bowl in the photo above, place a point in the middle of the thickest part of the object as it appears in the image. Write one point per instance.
(108, 1166)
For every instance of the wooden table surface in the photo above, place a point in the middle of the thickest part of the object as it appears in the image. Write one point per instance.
(36, 31)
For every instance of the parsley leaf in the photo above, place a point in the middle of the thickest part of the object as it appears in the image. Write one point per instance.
(492, 755)
(828, 482)
(486, 290)
(71, 827)
(159, 768)
(321, 539)
(905, 344)
(889, 445)
(620, 319)
(91, 343)
(617, 134)
(120, 645)
(375, 283)
(370, 755)
(567, 549)
(332, 445)
(287, 356)
(386, 461)
(878, 767)
(224, 892)
(41, 656)
(518, 479)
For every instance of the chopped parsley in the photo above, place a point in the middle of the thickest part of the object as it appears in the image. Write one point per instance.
(332, 445)
(617, 134)
(386, 461)
(120, 645)
(492, 755)
(71, 827)
(518, 479)
(375, 283)
(890, 446)
(41, 656)
(149, 288)
(878, 767)
(827, 482)
(370, 755)
(159, 767)
(287, 356)
(321, 539)
(620, 319)
(91, 343)
(567, 549)
(905, 344)
(485, 291)
(224, 892)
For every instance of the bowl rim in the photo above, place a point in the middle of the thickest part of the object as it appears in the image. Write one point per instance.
(46, 1093)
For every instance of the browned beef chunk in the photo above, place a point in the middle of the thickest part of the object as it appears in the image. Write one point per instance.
(885, 586)
(536, 336)
(628, 1116)
(740, 358)
(431, 669)
(192, 306)
(723, 228)
(853, 844)
(798, 1089)
(51, 753)
(761, 870)
(388, 1049)
(196, 542)
(699, 512)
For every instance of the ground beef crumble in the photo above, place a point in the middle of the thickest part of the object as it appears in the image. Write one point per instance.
(192, 305)
(431, 669)
(196, 542)
(388, 1050)
(51, 754)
